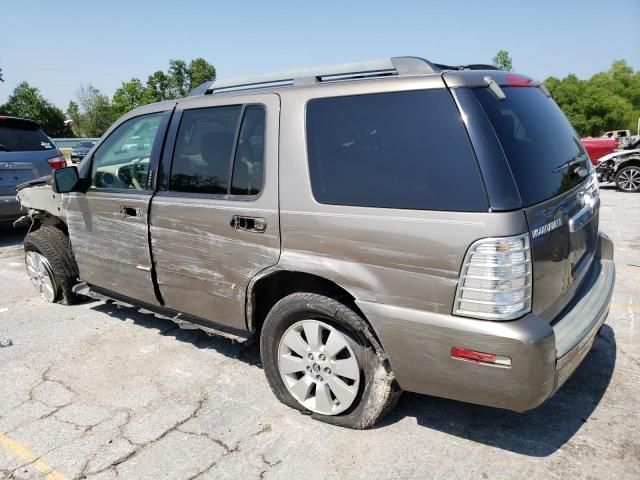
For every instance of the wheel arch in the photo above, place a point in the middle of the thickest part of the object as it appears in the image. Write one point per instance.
(271, 285)
(628, 162)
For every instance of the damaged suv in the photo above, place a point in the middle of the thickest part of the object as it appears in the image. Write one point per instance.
(381, 226)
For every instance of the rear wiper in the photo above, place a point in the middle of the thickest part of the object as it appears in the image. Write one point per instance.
(573, 161)
(4, 148)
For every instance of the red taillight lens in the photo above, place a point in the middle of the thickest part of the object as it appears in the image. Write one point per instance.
(518, 81)
(480, 357)
(57, 162)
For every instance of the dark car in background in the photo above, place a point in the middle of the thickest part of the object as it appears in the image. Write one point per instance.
(79, 150)
(26, 152)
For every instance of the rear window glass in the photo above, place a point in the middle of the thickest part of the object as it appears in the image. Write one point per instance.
(23, 140)
(395, 150)
(543, 150)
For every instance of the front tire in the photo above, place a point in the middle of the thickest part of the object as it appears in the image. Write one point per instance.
(628, 179)
(50, 265)
(320, 357)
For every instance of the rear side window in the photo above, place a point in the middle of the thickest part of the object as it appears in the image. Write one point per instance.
(396, 150)
(202, 156)
(23, 140)
(204, 159)
(249, 159)
(543, 150)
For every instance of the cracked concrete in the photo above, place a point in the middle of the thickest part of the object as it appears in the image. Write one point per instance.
(98, 392)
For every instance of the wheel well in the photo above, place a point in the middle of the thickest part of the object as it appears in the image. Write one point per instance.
(40, 219)
(632, 161)
(269, 290)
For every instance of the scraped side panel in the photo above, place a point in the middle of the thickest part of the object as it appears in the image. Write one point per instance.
(112, 250)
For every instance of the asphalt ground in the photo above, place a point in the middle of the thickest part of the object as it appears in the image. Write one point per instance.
(99, 392)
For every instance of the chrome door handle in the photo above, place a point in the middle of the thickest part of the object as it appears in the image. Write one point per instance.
(249, 224)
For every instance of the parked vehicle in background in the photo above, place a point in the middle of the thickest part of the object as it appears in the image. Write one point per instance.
(623, 137)
(316, 210)
(623, 168)
(79, 150)
(25, 153)
(599, 147)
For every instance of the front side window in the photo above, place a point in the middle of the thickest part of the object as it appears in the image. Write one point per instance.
(393, 150)
(122, 161)
(204, 145)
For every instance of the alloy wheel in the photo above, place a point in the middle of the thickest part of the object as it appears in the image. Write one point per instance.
(629, 179)
(318, 367)
(41, 275)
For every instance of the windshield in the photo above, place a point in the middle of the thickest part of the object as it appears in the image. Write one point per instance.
(23, 140)
(543, 150)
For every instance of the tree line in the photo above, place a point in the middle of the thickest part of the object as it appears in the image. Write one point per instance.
(94, 112)
(608, 100)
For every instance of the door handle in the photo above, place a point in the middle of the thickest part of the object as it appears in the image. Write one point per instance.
(249, 224)
(130, 211)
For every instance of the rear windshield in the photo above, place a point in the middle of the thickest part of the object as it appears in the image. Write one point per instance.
(393, 150)
(23, 140)
(543, 150)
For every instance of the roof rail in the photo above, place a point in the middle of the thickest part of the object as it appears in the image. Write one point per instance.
(395, 66)
(473, 66)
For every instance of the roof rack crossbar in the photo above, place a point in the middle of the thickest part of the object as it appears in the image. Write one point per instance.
(399, 66)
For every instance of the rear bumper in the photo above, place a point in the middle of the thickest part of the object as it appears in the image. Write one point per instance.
(543, 355)
(10, 208)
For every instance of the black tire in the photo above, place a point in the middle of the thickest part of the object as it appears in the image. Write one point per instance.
(55, 246)
(626, 171)
(378, 391)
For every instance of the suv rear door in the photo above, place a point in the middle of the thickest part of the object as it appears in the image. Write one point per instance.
(214, 222)
(108, 224)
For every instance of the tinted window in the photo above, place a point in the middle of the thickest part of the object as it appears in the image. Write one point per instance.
(249, 159)
(545, 154)
(122, 160)
(202, 155)
(23, 140)
(396, 150)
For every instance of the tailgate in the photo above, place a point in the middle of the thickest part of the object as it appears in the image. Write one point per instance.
(564, 236)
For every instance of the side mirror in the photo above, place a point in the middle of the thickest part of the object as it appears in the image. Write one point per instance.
(66, 180)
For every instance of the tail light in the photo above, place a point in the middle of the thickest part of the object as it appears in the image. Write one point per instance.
(57, 162)
(495, 279)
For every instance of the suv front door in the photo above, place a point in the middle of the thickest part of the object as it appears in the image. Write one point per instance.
(214, 224)
(108, 224)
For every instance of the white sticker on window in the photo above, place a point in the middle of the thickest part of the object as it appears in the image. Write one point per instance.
(46, 144)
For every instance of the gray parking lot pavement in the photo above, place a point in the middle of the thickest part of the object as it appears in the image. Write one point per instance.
(99, 392)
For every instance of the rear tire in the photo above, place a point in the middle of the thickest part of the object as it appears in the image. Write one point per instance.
(628, 179)
(352, 373)
(52, 248)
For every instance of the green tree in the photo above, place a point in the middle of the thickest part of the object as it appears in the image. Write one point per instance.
(178, 81)
(157, 88)
(97, 112)
(27, 102)
(502, 60)
(129, 96)
(200, 71)
(1, 79)
(607, 101)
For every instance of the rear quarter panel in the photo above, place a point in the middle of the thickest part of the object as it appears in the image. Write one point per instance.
(407, 258)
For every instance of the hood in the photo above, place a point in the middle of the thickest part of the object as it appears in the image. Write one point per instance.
(617, 154)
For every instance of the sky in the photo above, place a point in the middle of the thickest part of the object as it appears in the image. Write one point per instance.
(57, 46)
